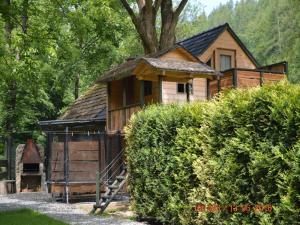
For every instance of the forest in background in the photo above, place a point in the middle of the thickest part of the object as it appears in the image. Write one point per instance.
(57, 49)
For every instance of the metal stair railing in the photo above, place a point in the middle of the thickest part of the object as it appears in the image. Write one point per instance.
(104, 176)
(105, 172)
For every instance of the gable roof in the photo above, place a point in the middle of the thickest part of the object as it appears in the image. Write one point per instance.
(90, 106)
(199, 43)
(127, 68)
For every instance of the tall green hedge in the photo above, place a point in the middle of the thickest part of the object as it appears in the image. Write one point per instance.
(242, 148)
(160, 168)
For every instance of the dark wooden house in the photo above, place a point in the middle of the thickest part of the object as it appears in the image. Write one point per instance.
(193, 69)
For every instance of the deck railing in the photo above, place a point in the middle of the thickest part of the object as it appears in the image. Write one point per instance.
(243, 78)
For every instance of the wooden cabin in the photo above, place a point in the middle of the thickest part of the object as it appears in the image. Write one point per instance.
(193, 69)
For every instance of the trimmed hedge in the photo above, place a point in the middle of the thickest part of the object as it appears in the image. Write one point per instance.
(161, 172)
(242, 148)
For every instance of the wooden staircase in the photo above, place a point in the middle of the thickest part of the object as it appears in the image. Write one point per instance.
(112, 187)
(113, 190)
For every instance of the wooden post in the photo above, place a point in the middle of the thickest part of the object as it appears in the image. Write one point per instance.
(97, 188)
(66, 166)
(219, 85)
(261, 76)
(188, 92)
(142, 93)
(234, 78)
(108, 125)
(207, 89)
(124, 116)
(49, 159)
(160, 78)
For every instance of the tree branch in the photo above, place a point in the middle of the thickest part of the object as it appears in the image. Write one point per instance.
(180, 8)
(134, 18)
(157, 4)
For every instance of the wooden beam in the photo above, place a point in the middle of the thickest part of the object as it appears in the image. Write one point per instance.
(66, 166)
(207, 89)
(234, 78)
(142, 93)
(108, 114)
(261, 75)
(160, 78)
(187, 92)
(49, 158)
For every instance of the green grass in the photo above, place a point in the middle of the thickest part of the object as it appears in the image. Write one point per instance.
(26, 217)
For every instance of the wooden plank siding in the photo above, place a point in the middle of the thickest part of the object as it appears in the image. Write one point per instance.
(226, 42)
(120, 117)
(83, 164)
(170, 94)
(245, 78)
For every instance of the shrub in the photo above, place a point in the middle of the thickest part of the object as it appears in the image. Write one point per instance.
(159, 162)
(250, 156)
(241, 148)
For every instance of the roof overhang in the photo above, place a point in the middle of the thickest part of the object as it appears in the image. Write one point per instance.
(52, 123)
(172, 70)
(127, 68)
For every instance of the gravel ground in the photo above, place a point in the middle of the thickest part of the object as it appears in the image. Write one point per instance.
(68, 213)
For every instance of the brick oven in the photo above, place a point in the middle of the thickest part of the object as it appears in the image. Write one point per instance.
(30, 176)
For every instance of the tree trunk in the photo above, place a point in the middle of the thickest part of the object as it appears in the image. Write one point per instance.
(7, 19)
(24, 16)
(145, 22)
(77, 86)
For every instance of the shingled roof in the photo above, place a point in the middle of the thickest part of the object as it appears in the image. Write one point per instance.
(199, 43)
(126, 69)
(179, 65)
(90, 106)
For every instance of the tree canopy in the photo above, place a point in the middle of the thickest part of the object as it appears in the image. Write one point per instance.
(51, 51)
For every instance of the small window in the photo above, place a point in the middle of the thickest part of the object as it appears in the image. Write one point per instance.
(180, 88)
(147, 87)
(183, 87)
(225, 62)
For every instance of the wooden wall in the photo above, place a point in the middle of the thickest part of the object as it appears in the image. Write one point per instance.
(226, 42)
(178, 54)
(83, 164)
(170, 95)
(244, 79)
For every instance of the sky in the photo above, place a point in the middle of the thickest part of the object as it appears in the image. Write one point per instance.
(211, 4)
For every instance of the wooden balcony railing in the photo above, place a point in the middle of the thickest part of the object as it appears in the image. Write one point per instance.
(243, 78)
(118, 118)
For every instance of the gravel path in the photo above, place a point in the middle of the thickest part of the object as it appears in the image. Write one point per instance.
(68, 213)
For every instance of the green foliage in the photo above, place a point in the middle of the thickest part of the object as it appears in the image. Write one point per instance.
(249, 154)
(65, 41)
(160, 167)
(241, 148)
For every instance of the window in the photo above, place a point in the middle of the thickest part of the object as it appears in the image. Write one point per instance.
(182, 87)
(147, 87)
(225, 62)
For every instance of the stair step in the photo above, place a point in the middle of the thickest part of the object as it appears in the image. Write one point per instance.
(113, 186)
(120, 178)
(106, 197)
